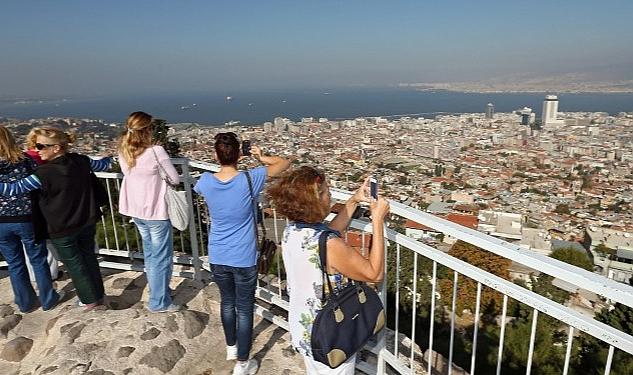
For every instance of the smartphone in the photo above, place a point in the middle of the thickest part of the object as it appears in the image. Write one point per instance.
(246, 147)
(373, 187)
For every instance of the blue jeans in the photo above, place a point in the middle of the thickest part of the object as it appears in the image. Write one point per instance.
(158, 250)
(12, 237)
(237, 294)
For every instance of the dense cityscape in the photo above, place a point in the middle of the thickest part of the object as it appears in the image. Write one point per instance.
(541, 182)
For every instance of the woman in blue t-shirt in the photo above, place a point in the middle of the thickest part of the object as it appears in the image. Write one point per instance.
(232, 245)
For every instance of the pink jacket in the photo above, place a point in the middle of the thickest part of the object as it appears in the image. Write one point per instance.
(143, 191)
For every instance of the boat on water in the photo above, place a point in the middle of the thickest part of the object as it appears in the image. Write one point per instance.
(185, 107)
(229, 98)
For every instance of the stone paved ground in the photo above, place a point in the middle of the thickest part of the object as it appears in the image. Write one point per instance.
(126, 338)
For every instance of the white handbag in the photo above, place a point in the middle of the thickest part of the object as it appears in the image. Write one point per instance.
(177, 203)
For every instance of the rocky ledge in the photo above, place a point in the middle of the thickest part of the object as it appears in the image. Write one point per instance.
(128, 339)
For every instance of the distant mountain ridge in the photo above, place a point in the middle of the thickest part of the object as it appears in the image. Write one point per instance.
(525, 83)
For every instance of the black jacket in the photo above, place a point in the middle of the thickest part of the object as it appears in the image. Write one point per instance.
(67, 198)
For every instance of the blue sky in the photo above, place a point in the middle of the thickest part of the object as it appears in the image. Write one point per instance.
(86, 48)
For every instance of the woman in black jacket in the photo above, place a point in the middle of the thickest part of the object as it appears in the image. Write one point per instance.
(68, 202)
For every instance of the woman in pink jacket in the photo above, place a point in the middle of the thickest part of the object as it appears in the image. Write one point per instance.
(142, 197)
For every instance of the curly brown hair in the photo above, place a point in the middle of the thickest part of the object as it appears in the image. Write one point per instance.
(296, 194)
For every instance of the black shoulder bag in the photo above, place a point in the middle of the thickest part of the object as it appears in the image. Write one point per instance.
(348, 318)
(266, 248)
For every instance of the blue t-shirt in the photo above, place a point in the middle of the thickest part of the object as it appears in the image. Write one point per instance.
(232, 238)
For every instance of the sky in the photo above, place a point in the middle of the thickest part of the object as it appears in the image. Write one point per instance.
(89, 48)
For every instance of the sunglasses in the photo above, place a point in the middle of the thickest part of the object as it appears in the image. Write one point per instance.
(41, 146)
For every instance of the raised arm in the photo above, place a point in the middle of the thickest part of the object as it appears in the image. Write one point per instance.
(101, 164)
(342, 219)
(274, 164)
(342, 258)
(22, 186)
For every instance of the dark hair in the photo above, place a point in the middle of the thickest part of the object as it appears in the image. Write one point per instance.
(227, 147)
(296, 194)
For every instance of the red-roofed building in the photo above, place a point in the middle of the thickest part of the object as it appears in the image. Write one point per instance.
(419, 231)
(469, 221)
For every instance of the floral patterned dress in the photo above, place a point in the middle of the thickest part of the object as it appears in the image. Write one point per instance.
(300, 249)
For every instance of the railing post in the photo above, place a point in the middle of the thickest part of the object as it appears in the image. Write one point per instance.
(193, 235)
(382, 364)
(382, 337)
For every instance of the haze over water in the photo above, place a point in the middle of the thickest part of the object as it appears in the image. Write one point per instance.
(258, 107)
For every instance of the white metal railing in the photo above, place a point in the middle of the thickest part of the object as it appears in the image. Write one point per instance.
(122, 240)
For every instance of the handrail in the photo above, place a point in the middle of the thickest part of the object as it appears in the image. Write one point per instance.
(598, 284)
(613, 290)
(564, 314)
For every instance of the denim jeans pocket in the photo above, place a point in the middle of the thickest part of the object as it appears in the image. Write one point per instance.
(247, 273)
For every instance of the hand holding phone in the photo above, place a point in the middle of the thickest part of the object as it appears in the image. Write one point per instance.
(246, 147)
(373, 187)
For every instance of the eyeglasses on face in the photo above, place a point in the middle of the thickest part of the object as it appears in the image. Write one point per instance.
(41, 146)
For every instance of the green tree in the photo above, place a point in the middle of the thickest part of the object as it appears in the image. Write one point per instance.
(595, 352)
(543, 285)
(573, 257)
(548, 352)
(160, 131)
(621, 318)
(467, 288)
(438, 170)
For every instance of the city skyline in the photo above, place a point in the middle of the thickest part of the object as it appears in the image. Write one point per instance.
(85, 49)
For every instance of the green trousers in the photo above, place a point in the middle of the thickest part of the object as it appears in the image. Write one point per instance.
(77, 251)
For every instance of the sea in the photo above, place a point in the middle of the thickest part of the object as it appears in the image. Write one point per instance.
(257, 107)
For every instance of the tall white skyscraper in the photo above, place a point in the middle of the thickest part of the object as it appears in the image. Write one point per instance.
(490, 111)
(527, 116)
(550, 111)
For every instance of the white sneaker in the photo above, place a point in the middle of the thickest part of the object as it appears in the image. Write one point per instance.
(249, 367)
(231, 352)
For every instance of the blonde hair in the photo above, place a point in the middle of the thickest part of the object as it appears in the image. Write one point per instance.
(58, 136)
(31, 138)
(9, 150)
(136, 138)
